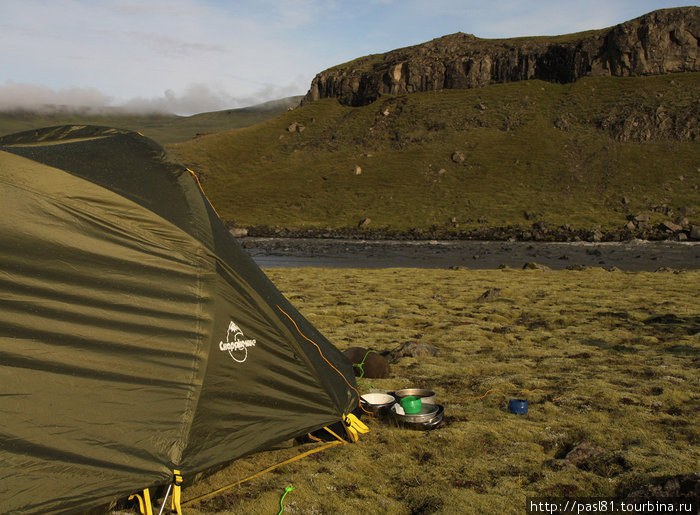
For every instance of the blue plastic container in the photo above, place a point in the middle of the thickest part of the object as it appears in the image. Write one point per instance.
(517, 406)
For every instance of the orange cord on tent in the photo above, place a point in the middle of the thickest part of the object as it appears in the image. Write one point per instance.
(329, 363)
(202, 190)
(268, 469)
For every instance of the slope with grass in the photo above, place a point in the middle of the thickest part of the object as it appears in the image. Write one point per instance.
(163, 128)
(451, 163)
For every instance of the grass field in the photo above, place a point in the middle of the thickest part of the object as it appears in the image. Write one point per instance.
(605, 372)
(587, 154)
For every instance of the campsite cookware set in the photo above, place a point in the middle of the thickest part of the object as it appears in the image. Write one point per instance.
(412, 408)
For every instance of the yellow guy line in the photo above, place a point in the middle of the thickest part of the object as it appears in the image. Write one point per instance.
(268, 469)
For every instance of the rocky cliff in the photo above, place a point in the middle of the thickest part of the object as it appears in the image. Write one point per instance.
(663, 41)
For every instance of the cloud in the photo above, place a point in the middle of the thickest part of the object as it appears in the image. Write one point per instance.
(198, 97)
(172, 46)
(35, 97)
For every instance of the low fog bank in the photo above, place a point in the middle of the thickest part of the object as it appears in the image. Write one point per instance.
(197, 98)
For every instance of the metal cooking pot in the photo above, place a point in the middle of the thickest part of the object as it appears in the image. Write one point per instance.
(426, 396)
(377, 403)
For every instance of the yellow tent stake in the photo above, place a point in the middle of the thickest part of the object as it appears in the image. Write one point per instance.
(286, 462)
(177, 488)
(145, 507)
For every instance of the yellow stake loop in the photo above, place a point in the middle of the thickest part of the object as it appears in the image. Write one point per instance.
(353, 426)
(145, 507)
(177, 490)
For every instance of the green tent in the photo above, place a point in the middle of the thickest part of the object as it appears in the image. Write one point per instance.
(136, 336)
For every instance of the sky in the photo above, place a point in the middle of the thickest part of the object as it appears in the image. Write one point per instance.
(191, 56)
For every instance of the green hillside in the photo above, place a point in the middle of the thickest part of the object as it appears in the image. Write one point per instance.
(163, 128)
(587, 154)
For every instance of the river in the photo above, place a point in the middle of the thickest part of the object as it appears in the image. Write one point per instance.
(635, 255)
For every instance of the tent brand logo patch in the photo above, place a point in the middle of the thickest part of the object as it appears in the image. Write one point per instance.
(236, 345)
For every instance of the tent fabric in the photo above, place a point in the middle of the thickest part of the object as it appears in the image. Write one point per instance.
(136, 336)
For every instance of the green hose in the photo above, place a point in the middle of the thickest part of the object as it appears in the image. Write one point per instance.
(286, 491)
(362, 370)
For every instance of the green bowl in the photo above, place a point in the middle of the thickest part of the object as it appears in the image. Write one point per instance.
(411, 404)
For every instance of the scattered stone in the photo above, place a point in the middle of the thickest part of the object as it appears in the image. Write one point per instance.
(695, 232)
(413, 349)
(683, 221)
(239, 232)
(625, 200)
(481, 107)
(529, 215)
(612, 269)
(458, 157)
(365, 222)
(300, 128)
(562, 124)
(670, 226)
(375, 365)
(630, 226)
(357, 170)
(535, 266)
(292, 127)
(489, 295)
(597, 236)
(682, 236)
(442, 171)
(577, 268)
(642, 218)
(684, 486)
(386, 112)
(583, 453)
(453, 219)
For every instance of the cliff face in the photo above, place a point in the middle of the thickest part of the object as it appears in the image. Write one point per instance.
(663, 41)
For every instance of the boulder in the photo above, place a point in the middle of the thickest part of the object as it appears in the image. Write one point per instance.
(684, 486)
(695, 232)
(535, 266)
(239, 232)
(670, 226)
(365, 222)
(489, 295)
(413, 349)
(583, 453)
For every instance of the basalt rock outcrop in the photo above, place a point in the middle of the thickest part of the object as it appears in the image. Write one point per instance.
(663, 41)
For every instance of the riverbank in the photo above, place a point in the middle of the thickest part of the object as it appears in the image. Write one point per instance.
(634, 255)
(638, 227)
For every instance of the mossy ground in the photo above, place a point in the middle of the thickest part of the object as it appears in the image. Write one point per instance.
(516, 159)
(607, 374)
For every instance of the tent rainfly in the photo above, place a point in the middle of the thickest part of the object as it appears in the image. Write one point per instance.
(136, 336)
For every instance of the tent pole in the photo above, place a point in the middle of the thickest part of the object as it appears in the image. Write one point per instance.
(165, 499)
